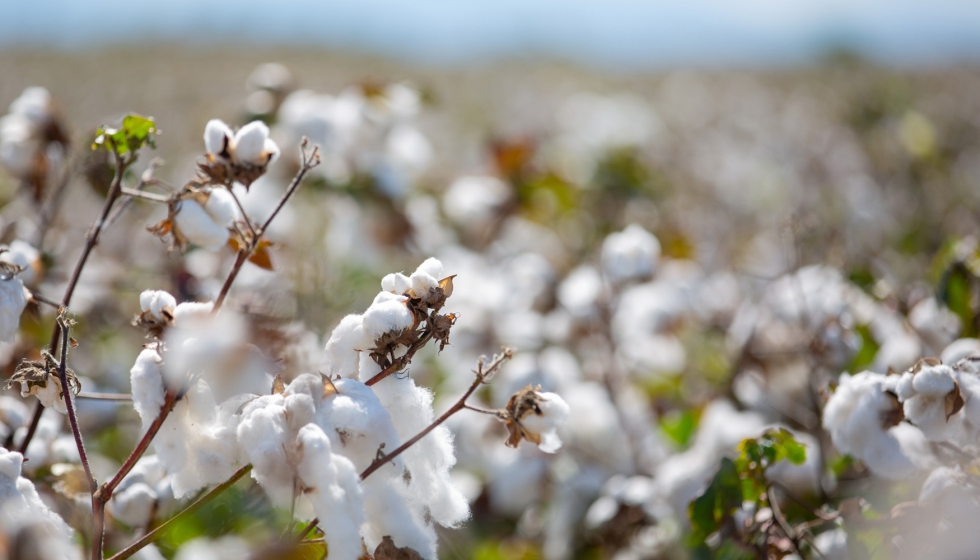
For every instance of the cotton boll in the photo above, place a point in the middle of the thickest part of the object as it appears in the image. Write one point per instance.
(264, 436)
(155, 302)
(396, 283)
(146, 379)
(20, 504)
(959, 349)
(217, 138)
(422, 282)
(251, 144)
(197, 225)
(927, 408)
(630, 254)
(358, 425)
(334, 490)
(12, 304)
(554, 413)
(34, 103)
(189, 312)
(433, 267)
(221, 207)
(429, 461)
(854, 417)
(388, 314)
(388, 513)
(343, 347)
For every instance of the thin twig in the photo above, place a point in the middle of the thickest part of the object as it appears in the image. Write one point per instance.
(310, 160)
(146, 178)
(72, 419)
(401, 362)
(483, 374)
(145, 195)
(248, 222)
(198, 503)
(90, 395)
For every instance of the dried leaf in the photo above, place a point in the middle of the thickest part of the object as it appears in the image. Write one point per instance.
(278, 386)
(925, 362)
(388, 551)
(328, 387)
(521, 405)
(447, 285)
(261, 256)
(954, 401)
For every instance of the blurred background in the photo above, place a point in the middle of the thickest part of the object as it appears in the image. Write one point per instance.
(510, 138)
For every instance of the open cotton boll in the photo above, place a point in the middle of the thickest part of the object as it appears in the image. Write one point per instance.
(388, 314)
(199, 227)
(155, 302)
(396, 283)
(221, 207)
(264, 436)
(389, 513)
(630, 254)
(554, 413)
(146, 380)
(20, 504)
(217, 138)
(333, 488)
(925, 401)
(422, 282)
(343, 348)
(433, 267)
(34, 103)
(189, 312)
(429, 461)
(252, 145)
(13, 300)
(358, 425)
(858, 417)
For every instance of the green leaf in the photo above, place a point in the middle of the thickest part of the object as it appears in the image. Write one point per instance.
(717, 503)
(135, 132)
(680, 426)
(866, 355)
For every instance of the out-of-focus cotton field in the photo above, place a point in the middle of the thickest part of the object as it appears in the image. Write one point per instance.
(722, 314)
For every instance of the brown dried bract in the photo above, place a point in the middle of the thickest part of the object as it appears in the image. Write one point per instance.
(520, 405)
(895, 413)
(954, 401)
(154, 326)
(441, 324)
(36, 374)
(278, 385)
(168, 226)
(217, 170)
(388, 551)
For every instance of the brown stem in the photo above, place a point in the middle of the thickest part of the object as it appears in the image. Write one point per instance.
(152, 197)
(310, 160)
(72, 419)
(198, 503)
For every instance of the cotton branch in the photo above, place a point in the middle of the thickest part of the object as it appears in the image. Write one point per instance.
(484, 372)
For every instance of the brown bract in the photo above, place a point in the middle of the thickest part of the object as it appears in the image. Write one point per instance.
(36, 374)
(218, 170)
(523, 403)
(154, 326)
(388, 551)
(168, 226)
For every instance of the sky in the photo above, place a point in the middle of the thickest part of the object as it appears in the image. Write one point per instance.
(626, 34)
